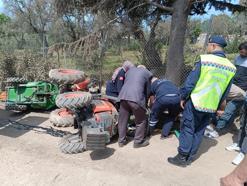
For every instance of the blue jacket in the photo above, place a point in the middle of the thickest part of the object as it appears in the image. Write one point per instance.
(193, 77)
(163, 87)
(113, 87)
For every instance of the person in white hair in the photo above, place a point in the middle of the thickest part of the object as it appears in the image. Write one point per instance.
(114, 85)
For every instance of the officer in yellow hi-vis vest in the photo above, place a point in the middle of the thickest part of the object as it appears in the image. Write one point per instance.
(202, 96)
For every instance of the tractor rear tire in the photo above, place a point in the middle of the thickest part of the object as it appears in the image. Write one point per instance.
(71, 144)
(66, 76)
(16, 80)
(62, 118)
(73, 100)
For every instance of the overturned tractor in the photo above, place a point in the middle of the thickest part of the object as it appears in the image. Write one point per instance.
(96, 120)
(95, 117)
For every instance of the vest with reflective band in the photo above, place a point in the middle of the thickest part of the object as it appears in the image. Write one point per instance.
(216, 74)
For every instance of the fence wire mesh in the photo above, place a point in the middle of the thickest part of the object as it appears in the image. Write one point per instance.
(152, 54)
(97, 62)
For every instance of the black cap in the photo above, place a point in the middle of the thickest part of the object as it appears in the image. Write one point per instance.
(218, 40)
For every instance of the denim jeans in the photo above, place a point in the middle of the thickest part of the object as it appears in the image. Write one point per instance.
(242, 136)
(230, 113)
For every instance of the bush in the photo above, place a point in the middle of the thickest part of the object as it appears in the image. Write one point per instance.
(232, 46)
(26, 64)
(133, 45)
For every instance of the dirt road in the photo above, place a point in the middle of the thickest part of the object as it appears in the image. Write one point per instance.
(29, 156)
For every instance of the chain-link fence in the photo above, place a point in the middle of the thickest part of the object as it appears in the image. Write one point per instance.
(152, 54)
(97, 60)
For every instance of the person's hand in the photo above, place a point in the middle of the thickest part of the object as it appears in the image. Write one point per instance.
(230, 180)
(220, 113)
(73, 87)
(182, 103)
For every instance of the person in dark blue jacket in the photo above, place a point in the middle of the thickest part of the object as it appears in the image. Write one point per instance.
(194, 119)
(114, 86)
(166, 104)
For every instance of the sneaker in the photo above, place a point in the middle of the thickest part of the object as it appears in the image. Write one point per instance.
(144, 143)
(179, 160)
(206, 133)
(211, 134)
(210, 128)
(237, 160)
(214, 134)
(233, 147)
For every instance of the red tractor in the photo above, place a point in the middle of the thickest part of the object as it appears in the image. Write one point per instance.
(95, 117)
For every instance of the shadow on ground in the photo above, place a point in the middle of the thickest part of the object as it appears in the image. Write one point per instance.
(16, 124)
(206, 144)
(102, 154)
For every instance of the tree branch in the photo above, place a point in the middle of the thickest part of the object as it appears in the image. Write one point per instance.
(219, 5)
(197, 1)
(165, 8)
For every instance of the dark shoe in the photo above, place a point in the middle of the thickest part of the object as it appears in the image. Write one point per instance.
(144, 143)
(165, 137)
(150, 131)
(123, 143)
(179, 160)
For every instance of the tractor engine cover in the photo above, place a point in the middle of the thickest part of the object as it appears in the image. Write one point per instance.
(93, 138)
(105, 116)
(100, 126)
(106, 122)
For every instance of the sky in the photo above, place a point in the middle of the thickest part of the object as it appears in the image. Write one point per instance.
(1, 6)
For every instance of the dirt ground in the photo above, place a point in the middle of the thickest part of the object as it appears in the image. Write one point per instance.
(30, 156)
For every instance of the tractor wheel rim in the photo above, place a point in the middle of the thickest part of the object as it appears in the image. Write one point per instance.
(64, 113)
(68, 71)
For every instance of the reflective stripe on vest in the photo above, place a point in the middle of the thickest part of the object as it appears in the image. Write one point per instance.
(216, 74)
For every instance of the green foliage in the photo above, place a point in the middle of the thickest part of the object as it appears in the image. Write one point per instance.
(231, 56)
(4, 19)
(195, 33)
(133, 45)
(25, 63)
(3, 22)
(232, 46)
(24, 42)
(194, 28)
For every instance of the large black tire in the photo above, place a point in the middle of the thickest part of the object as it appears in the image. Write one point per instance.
(66, 76)
(59, 119)
(73, 100)
(71, 144)
(16, 107)
(16, 80)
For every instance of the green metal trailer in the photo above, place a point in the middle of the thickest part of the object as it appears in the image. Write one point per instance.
(32, 95)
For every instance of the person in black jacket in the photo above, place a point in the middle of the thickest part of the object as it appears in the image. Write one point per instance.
(114, 86)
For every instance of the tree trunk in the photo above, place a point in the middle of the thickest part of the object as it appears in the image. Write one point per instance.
(175, 63)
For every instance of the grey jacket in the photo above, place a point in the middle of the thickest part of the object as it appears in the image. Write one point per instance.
(136, 86)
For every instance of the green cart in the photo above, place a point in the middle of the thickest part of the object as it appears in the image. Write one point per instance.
(23, 95)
